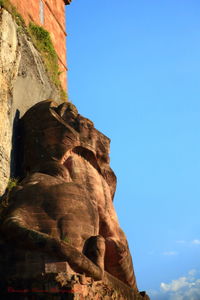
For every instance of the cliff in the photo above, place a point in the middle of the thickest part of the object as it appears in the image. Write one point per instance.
(23, 82)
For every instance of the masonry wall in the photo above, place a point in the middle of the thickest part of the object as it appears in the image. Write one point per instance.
(51, 15)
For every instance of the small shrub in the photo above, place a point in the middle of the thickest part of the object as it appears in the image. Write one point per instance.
(42, 41)
(12, 183)
(66, 240)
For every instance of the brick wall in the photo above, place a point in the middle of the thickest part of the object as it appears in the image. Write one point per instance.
(51, 15)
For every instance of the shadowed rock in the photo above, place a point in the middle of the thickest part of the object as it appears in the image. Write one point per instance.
(63, 207)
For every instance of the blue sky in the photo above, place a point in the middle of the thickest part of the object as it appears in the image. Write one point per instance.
(134, 70)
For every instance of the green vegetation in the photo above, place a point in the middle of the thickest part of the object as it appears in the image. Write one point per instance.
(66, 240)
(12, 10)
(1, 3)
(12, 183)
(63, 95)
(42, 41)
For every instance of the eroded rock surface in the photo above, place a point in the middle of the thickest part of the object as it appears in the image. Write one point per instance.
(23, 82)
(63, 209)
(9, 63)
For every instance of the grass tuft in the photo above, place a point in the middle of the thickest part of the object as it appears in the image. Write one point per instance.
(12, 183)
(42, 41)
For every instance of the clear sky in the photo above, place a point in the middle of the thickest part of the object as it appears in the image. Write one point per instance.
(134, 70)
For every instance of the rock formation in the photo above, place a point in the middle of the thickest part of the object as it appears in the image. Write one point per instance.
(23, 82)
(58, 224)
(63, 208)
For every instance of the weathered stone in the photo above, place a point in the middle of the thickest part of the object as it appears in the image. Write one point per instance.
(32, 83)
(9, 61)
(63, 209)
(48, 286)
(9, 45)
(23, 82)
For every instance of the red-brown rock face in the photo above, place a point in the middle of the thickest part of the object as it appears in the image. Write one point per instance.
(64, 205)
